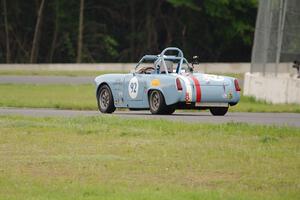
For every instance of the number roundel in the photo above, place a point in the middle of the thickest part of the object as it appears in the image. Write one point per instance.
(133, 87)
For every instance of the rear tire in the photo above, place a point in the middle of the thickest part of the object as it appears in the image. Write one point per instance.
(218, 111)
(157, 102)
(105, 100)
(170, 110)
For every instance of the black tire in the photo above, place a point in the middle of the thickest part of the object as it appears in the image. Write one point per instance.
(157, 102)
(218, 111)
(105, 100)
(169, 110)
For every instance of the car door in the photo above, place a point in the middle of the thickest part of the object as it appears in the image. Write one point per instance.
(134, 90)
(117, 89)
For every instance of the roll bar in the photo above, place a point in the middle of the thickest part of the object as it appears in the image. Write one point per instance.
(162, 56)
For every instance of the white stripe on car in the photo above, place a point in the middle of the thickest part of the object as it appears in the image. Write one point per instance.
(188, 86)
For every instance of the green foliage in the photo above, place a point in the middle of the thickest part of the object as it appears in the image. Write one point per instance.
(216, 30)
(69, 47)
(110, 45)
(187, 3)
(235, 13)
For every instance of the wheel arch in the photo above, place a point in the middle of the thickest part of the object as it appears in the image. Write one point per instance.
(152, 89)
(99, 86)
(166, 109)
(170, 95)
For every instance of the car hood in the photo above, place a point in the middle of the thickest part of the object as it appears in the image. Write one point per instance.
(109, 78)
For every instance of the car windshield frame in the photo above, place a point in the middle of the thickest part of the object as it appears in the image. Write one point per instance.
(161, 58)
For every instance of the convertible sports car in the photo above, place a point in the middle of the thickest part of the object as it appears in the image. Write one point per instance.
(164, 83)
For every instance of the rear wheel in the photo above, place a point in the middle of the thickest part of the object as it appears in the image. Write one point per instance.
(169, 109)
(105, 100)
(157, 102)
(218, 111)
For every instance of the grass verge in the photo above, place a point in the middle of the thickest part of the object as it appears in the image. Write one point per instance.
(107, 157)
(250, 104)
(82, 97)
(78, 97)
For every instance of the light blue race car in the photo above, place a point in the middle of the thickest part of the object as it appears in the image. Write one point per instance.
(164, 83)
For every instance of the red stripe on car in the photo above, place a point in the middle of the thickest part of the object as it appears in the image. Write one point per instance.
(198, 88)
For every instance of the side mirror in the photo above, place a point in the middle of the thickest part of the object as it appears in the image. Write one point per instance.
(195, 60)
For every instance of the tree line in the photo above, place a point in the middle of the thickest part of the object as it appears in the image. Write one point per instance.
(67, 31)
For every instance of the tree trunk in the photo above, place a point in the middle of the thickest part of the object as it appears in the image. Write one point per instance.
(149, 27)
(54, 40)
(132, 30)
(183, 32)
(36, 37)
(80, 31)
(6, 32)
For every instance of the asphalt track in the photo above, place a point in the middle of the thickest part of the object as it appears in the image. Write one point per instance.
(278, 119)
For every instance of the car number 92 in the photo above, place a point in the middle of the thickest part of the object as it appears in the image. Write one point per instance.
(133, 87)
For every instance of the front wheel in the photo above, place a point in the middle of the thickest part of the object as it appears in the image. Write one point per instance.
(105, 100)
(218, 111)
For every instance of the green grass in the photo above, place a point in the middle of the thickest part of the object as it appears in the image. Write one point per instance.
(250, 104)
(55, 73)
(48, 96)
(82, 97)
(239, 76)
(107, 157)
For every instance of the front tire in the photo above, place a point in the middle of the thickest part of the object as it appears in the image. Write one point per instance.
(105, 100)
(218, 111)
(157, 102)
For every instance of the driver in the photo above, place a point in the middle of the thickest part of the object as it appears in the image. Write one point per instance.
(169, 65)
(146, 70)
